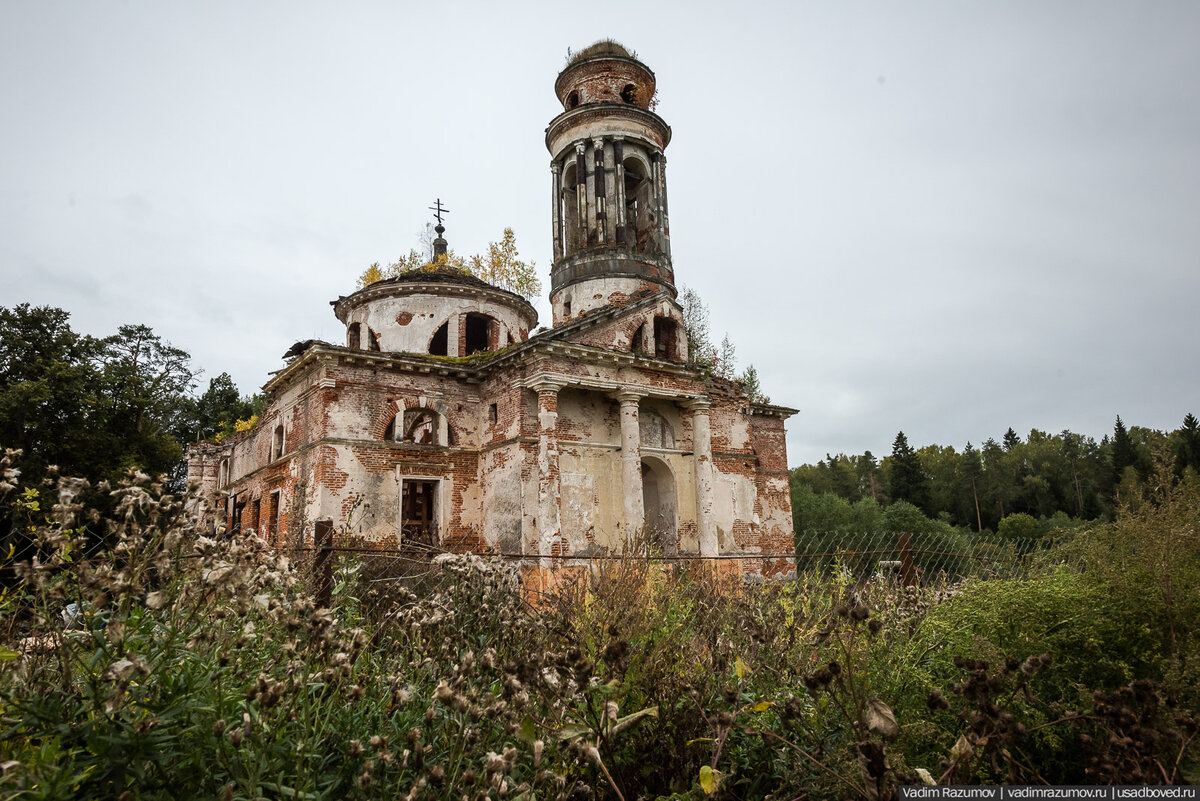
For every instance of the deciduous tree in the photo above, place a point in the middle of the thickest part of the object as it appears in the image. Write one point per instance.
(502, 267)
(49, 390)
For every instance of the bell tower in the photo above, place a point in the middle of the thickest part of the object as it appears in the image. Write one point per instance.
(611, 235)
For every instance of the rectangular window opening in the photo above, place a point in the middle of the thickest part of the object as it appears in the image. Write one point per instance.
(419, 511)
(272, 532)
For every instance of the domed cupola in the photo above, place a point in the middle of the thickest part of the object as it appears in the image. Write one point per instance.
(611, 235)
(435, 310)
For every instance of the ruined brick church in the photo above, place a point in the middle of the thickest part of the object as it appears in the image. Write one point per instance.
(444, 421)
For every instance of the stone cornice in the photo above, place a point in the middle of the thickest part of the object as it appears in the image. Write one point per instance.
(394, 289)
(572, 125)
(607, 386)
(770, 410)
(323, 354)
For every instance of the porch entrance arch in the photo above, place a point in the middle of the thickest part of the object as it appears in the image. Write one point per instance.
(659, 502)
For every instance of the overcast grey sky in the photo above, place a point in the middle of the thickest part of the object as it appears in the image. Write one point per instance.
(942, 217)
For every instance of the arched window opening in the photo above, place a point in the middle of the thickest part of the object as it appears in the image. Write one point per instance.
(638, 215)
(354, 336)
(655, 430)
(658, 501)
(440, 340)
(570, 210)
(420, 427)
(277, 443)
(666, 338)
(573, 100)
(223, 473)
(629, 93)
(479, 334)
(638, 344)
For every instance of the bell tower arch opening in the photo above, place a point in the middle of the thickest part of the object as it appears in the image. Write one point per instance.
(638, 199)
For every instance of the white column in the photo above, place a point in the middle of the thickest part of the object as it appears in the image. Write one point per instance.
(631, 463)
(452, 336)
(548, 476)
(581, 194)
(555, 206)
(706, 527)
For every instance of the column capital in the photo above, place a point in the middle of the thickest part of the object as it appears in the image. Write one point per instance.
(581, 146)
(597, 142)
(696, 404)
(555, 166)
(627, 396)
(544, 384)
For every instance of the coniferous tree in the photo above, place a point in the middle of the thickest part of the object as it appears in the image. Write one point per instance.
(1124, 454)
(218, 409)
(908, 481)
(1188, 449)
(971, 468)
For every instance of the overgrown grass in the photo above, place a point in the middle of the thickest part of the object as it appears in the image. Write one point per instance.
(194, 666)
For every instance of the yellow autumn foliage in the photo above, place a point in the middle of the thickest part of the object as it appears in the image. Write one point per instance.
(499, 267)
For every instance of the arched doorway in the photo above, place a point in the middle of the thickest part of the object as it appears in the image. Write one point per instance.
(658, 500)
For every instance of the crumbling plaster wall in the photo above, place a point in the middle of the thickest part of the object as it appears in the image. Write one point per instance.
(599, 293)
(407, 323)
(363, 399)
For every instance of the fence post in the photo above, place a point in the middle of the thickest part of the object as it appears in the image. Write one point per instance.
(907, 573)
(323, 563)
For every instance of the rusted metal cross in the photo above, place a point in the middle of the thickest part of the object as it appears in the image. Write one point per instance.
(438, 211)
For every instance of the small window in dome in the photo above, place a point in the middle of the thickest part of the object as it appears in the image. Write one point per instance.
(440, 341)
(573, 100)
(481, 332)
(629, 93)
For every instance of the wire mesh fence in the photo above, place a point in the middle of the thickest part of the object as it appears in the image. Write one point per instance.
(917, 557)
(907, 558)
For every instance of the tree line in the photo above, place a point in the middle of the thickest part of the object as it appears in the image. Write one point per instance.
(96, 407)
(1016, 486)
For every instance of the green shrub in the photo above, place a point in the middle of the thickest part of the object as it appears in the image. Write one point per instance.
(201, 667)
(1019, 526)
